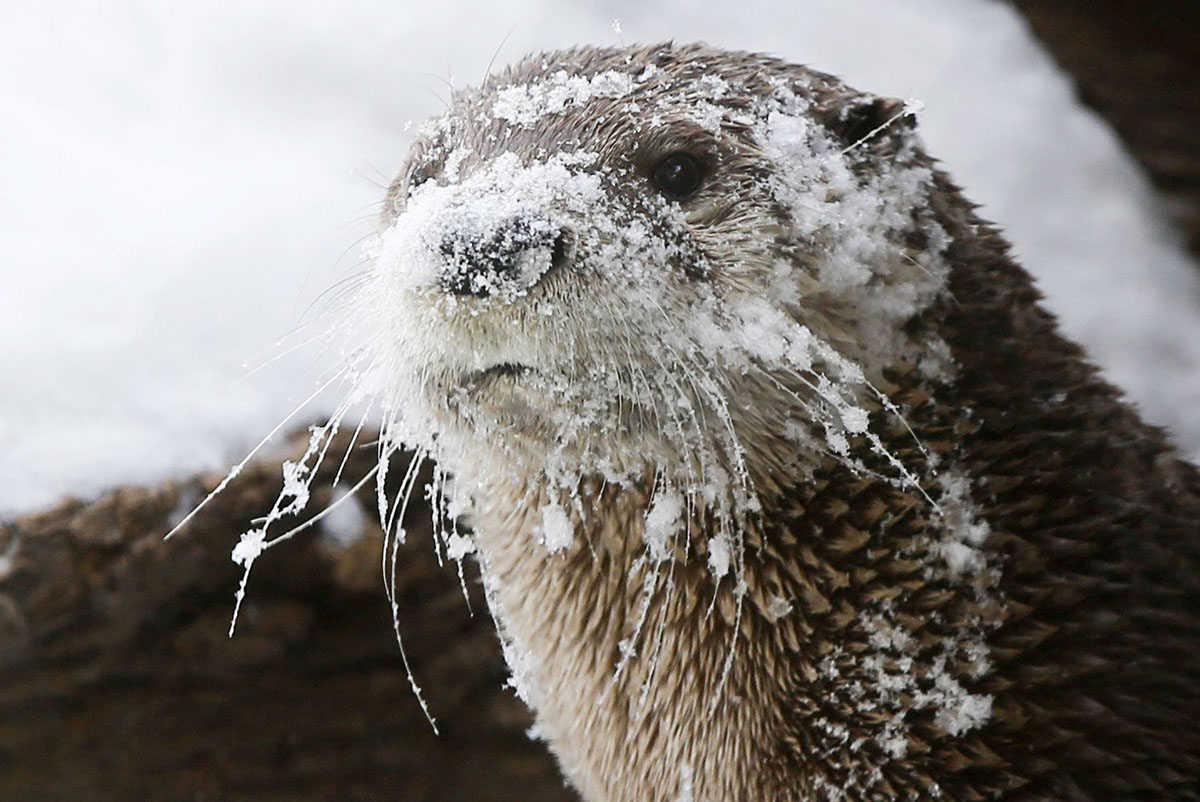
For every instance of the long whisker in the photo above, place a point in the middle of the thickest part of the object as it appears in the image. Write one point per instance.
(323, 513)
(239, 467)
(337, 477)
(488, 72)
(390, 572)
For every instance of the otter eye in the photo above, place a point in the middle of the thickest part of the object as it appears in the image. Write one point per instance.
(418, 176)
(678, 176)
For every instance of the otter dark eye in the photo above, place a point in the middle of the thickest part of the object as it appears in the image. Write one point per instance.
(678, 176)
(418, 176)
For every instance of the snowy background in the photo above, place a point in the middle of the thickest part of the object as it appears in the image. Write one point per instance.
(180, 181)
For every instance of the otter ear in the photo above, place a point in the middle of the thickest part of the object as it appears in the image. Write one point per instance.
(878, 124)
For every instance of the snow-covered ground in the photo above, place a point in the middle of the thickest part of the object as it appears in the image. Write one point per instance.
(179, 182)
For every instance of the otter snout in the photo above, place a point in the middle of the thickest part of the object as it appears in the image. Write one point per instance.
(509, 257)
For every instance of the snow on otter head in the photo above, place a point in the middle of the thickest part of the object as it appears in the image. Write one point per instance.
(587, 258)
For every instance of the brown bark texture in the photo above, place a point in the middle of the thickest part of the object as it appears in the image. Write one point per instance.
(118, 680)
(1138, 66)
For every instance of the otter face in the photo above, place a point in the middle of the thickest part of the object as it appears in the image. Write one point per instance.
(586, 263)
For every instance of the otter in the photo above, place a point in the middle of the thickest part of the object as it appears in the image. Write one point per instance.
(783, 483)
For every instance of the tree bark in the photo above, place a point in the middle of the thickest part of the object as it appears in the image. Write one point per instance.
(118, 680)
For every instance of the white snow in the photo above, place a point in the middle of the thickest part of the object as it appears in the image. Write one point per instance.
(556, 530)
(526, 104)
(662, 521)
(409, 254)
(718, 556)
(777, 608)
(180, 180)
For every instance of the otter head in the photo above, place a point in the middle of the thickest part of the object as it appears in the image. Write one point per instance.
(608, 261)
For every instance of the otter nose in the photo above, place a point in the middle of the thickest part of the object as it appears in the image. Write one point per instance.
(512, 255)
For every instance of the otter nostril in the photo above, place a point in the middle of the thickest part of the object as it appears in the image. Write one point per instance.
(558, 254)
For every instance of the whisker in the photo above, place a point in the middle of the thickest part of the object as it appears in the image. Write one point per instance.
(239, 467)
(487, 73)
(337, 478)
(323, 513)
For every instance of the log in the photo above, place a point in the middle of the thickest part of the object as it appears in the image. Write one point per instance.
(118, 680)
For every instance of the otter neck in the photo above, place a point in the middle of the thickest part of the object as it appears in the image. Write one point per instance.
(616, 654)
(662, 677)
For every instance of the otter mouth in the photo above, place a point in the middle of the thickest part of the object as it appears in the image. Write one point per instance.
(512, 371)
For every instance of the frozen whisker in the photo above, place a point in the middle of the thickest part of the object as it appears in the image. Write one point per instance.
(383, 451)
(890, 406)
(350, 494)
(434, 495)
(910, 108)
(279, 354)
(237, 469)
(380, 180)
(391, 546)
(487, 73)
(443, 101)
(337, 477)
(394, 524)
(854, 419)
(729, 521)
(907, 478)
(292, 499)
(339, 295)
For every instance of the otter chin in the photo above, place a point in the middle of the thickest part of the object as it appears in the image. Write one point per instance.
(783, 484)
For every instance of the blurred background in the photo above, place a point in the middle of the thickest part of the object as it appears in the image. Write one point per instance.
(182, 180)
(179, 182)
